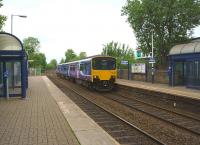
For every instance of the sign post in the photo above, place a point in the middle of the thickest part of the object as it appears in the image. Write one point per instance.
(7, 89)
(152, 61)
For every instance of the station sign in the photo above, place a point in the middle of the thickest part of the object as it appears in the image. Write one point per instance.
(138, 68)
(124, 62)
(152, 60)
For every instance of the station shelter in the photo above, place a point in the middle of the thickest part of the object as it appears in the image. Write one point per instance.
(185, 64)
(13, 66)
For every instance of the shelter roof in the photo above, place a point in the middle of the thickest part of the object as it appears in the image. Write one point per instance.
(10, 42)
(192, 47)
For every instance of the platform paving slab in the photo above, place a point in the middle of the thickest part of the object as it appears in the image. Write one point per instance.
(36, 120)
(86, 130)
(163, 88)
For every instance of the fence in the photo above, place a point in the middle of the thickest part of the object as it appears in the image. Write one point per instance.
(35, 71)
(160, 76)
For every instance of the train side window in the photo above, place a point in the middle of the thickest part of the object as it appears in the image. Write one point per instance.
(94, 64)
(84, 69)
(72, 68)
(81, 67)
(65, 68)
(88, 68)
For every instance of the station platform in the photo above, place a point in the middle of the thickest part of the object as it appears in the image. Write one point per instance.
(163, 88)
(47, 117)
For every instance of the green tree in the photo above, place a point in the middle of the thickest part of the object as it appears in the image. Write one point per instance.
(70, 55)
(52, 64)
(119, 51)
(82, 55)
(2, 17)
(170, 21)
(31, 45)
(38, 61)
(62, 60)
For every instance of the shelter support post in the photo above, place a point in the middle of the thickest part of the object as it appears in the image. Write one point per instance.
(23, 78)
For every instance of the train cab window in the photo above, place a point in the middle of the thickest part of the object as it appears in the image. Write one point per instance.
(104, 63)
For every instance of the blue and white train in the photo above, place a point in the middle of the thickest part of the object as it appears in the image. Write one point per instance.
(98, 72)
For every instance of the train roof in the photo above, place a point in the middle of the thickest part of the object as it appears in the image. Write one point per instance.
(86, 59)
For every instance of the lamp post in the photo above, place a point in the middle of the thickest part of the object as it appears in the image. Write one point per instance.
(22, 16)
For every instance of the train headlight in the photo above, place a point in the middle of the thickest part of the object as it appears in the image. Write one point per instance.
(96, 77)
(112, 78)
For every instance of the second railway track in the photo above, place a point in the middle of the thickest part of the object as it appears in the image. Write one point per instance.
(183, 121)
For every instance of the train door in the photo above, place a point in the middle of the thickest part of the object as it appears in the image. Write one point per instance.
(77, 70)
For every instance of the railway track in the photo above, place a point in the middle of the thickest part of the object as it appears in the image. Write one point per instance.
(181, 105)
(123, 131)
(177, 119)
(158, 103)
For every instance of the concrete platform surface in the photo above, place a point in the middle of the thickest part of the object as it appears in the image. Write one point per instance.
(86, 130)
(47, 117)
(164, 88)
(36, 120)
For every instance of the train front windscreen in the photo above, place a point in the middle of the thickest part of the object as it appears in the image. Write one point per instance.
(104, 63)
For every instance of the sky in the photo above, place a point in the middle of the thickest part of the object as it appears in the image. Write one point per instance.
(83, 25)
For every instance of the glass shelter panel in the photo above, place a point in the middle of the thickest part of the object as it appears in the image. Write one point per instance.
(180, 71)
(1, 78)
(194, 73)
(14, 77)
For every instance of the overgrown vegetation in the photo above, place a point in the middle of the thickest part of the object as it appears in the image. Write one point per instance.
(52, 64)
(121, 52)
(36, 58)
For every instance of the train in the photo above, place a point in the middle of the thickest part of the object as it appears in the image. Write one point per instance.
(96, 72)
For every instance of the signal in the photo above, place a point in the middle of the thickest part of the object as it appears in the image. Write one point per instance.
(138, 53)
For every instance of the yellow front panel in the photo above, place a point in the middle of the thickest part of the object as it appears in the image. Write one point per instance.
(104, 74)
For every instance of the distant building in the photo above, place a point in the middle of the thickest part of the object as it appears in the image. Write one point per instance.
(185, 64)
